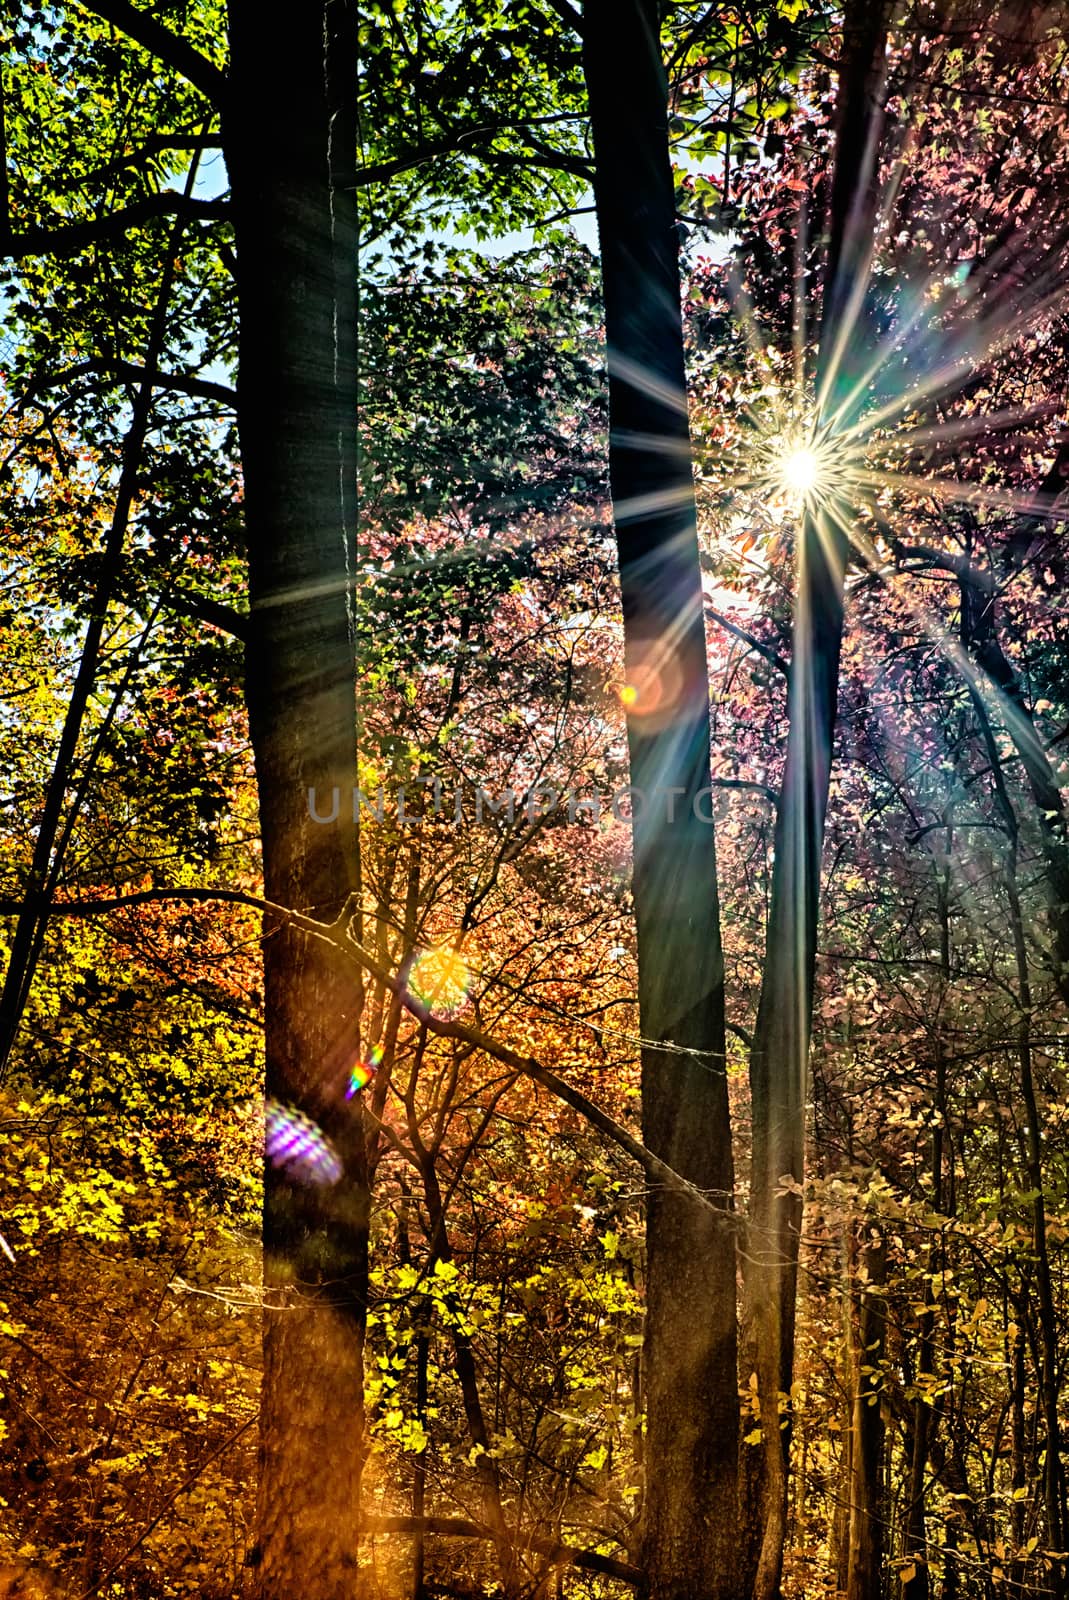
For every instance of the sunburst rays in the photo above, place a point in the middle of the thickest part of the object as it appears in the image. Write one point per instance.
(868, 435)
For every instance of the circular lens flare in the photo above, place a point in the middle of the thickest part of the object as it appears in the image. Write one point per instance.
(653, 694)
(440, 978)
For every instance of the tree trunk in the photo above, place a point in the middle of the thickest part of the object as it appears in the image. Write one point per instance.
(779, 1057)
(419, 1484)
(289, 138)
(54, 829)
(918, 1585)
(982, 638)
(950, 1558)
(440, 1248)
(866, 1522)
(692, 1409)
(1053, 1484)
(840, 1528)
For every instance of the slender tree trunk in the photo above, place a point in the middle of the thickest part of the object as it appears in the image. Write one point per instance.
(840, 1529)
(290, 147)
(440, 1249)
(55, 828)
(983, 640)
(866, 1522)
(1019, 1471)
(779, 1057)
(915, 1531)
(950, 1558)
(1053, 1485)
(419, 1483)
(692, 1410)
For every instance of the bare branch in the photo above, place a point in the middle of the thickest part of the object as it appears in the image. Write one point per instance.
(766, 789)
(459, 141)
(156, 144)
(921, 557)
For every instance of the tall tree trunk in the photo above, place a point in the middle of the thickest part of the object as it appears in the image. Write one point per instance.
(779, 1057)
(866, 1523)
(692, 1408)
(840, 1528)
(917, 1586)
(980, 634)
(1053, 1482)
(59, 813)
(290, 147)
(440, 1248)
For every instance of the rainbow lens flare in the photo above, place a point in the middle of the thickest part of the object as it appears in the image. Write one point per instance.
(441, 979)
(298, 1148)
(364, 1071)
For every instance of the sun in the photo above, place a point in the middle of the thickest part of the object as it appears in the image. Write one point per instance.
(800, 470)
(801, 467)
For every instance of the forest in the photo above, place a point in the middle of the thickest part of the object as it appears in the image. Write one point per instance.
(534, 851)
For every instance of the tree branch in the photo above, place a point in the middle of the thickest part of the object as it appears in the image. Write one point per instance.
(553, 162)
(166, 46)
(340, 939)
(77, 235)
(924, 556)
(181, 382)
(766, 789)
(186, 1484)
(457, 142)
(772, 656)
(461, 1528)
(1047, 495)
(157, 144)
(568, 14)
(188, 604)
(5, 199)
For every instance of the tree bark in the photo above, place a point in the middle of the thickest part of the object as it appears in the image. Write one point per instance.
(779, 1057)
(440, 1249)
(688, 1543)
(58, 814)
(289, 139)
(866, 1523)
(918, 1586)
(1053, 1481)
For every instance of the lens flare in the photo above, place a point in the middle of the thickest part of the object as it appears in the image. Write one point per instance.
(441, 980)
(801, 470)
(653, 693)
(363, 1071)
(298, 1148)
